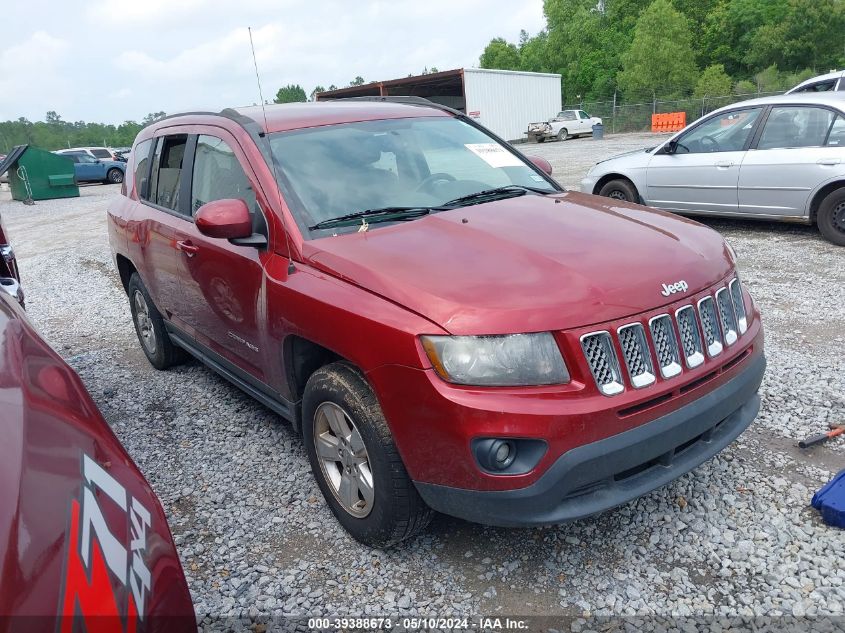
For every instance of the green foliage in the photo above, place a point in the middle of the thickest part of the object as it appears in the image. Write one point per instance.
(54, 133)
(358, 81)
(745, 87)
(585, 47)
(500, 55)
(660, 59)
(290, 94)
(714, 81)
(658, 46)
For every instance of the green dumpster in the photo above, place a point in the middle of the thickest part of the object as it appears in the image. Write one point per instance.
(36, 174)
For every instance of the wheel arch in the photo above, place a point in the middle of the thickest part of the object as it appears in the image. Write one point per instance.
(821, 194)
(601, 182)
(125, 268)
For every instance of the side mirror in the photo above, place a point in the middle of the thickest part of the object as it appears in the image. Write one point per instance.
(227, 219)
(671, 147)
(541, 163)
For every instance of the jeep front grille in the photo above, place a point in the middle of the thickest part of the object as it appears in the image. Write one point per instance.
(691, 343)
(665, 345)
(601, 357)
(739, 305)
(715, 321)
(637, 354)
(710, 327)
(726, 315)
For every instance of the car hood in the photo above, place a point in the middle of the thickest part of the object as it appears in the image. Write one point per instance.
(645, 152)
(531, 263)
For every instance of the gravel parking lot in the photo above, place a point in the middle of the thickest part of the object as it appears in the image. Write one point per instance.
(734, 538)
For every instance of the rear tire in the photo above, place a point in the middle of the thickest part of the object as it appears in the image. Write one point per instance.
(358, 468)
(563, 134)
(541, 139)
(831, 217)
(620, 189)
(149, 326)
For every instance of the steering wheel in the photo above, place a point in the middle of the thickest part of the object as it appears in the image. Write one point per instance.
(432, 178)
(709, 144)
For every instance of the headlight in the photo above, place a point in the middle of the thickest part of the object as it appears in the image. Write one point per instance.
(497, 361)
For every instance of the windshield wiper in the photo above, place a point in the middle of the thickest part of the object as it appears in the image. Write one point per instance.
(508, 191)
(383, 214)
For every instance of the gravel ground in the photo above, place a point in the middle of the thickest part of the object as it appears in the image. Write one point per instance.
(734, 538)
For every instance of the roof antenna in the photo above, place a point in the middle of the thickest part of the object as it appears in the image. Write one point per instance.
(291, 267)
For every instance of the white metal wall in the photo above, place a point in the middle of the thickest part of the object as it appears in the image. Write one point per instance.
(507, 101)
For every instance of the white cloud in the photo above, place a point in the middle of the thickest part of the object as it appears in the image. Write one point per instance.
(34, 72)
(113, 65)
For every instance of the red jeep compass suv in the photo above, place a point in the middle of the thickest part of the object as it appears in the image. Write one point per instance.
(446, 326)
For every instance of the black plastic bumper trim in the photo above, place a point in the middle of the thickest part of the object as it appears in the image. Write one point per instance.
(598, 476)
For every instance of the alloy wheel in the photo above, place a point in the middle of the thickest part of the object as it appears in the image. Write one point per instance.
(145, 324)
(343, 459)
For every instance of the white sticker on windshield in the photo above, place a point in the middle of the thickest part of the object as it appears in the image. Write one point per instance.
(494, 154)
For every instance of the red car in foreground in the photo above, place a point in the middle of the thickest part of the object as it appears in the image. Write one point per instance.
(84, 543)
(446, 326)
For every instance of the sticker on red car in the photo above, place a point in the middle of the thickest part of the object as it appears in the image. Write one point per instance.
(106, 582)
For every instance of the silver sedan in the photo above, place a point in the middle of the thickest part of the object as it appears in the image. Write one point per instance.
(775, 158)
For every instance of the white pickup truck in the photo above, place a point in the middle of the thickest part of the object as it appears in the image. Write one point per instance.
(567, 124)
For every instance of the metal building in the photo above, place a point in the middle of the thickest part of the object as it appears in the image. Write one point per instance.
(505, 101)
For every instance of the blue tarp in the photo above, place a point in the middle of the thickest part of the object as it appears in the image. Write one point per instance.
(830, 501)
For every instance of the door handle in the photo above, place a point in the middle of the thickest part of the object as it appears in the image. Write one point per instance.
(187, 247)
(827, 161)
(724, 164)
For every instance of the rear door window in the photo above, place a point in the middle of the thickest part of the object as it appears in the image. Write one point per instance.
(795, 126)
(218, 175)
(101, 153)
(166, 178)
(836, 138)
(142, 167)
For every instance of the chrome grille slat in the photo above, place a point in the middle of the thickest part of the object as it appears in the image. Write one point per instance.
(710, 327)
(691, 343)
(637, 354)
(726, 316)
(739, 305)
(665, 345)
(604, 365)
(714, 322)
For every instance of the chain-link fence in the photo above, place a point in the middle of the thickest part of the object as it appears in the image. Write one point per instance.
(636, 117)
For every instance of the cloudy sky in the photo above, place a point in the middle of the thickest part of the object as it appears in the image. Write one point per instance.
(102, 60)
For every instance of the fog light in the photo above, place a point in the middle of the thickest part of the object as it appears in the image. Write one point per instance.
(502, 453)
(507, 456)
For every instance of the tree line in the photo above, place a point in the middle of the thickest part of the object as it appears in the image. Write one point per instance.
(55, 133)
(640, 50)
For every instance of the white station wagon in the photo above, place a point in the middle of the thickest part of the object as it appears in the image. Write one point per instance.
(775, 158)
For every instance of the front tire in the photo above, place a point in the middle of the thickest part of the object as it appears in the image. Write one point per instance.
(620, 189)
(355, 461)
(149, 326)
(114, 176)
(831, 217)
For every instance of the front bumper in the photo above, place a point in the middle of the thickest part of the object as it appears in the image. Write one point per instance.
(588, 183)
(600, 475)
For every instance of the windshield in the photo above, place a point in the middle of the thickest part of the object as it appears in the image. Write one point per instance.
(335, 170)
